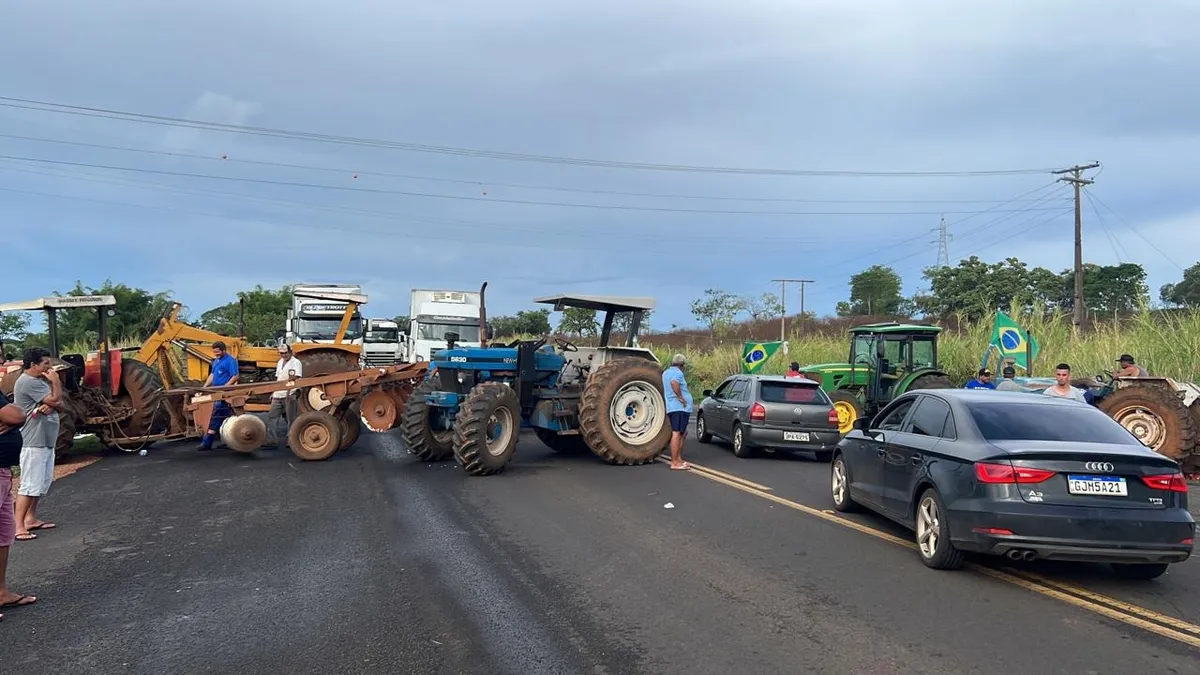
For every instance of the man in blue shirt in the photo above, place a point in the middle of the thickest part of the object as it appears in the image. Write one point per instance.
(224, 372)
(983, 380)
(679, 408)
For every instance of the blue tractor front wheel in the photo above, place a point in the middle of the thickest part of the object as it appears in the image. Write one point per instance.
(486, 429)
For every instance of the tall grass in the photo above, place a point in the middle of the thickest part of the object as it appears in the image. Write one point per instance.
(1165, 343)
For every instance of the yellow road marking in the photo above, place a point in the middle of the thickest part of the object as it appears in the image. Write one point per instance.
(1140, 617)
(722, 474)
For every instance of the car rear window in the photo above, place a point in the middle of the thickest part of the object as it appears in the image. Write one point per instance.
(1033, 422)
(792, 392)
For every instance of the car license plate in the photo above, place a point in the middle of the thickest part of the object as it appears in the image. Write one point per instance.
(801, 436)
(1097, 485)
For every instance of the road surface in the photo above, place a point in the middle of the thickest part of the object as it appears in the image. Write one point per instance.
(372, 562)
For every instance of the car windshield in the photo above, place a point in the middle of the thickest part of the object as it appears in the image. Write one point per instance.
(1004, 421)
(792, 392)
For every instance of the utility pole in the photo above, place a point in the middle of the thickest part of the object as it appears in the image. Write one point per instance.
(943, 243)
(783, 302)
(1077, 180)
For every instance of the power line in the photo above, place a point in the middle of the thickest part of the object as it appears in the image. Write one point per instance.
(106, 113)
(224, 158)
(783, 302)
(494, 200)
(1135, 231)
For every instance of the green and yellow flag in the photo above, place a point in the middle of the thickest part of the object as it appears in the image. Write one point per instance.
(1009, 338)
(755, 354)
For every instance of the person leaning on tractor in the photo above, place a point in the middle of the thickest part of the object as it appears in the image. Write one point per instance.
(11, 420)
(224, 372)
(679, 408)
(1062, 385)
(283, 401)
(1129, 368)
(38, 393)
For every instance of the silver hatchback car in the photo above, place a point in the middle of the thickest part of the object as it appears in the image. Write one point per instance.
(769, 411)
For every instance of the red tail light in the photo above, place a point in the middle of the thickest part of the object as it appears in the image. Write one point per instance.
(1007, 473)
(1172, 482)
(757, 412)
(833, 418)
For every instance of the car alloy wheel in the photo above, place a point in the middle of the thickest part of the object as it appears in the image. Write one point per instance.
(839, 482)
(934, 542)
(929, 527)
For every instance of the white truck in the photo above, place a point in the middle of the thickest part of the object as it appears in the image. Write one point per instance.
(434, 313)
(383, 344)
(318, 320)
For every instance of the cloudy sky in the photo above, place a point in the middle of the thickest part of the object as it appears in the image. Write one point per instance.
(797, 85)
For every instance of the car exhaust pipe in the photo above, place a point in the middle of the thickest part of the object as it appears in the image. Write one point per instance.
(1028, 555)
(1014, 554)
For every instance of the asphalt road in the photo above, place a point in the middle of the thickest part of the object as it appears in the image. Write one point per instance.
(372, 562)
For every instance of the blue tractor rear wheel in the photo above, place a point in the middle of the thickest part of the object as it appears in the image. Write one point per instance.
(487, 428)
(428, 444)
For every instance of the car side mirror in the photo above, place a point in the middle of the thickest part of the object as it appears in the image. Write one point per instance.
(707, 393)
(863, 424)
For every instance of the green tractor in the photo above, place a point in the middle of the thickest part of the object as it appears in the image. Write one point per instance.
(886, 360)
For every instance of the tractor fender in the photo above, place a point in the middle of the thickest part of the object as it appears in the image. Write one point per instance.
(924, 378)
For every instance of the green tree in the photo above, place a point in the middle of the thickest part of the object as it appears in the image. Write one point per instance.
(402, 320)
(765, 306)
(525, 322)
(14, 327)
(265, 314)
(717, 309)
(1186, 293)
(1107, 289)
(579, 321)
(135, 315)
(623, 320)
(975, 289)
(873, 291)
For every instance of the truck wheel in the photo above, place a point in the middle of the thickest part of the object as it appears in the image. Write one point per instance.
(322, 362)
(486, 429)
(623, 415)
(314, 435)
(422, 440)
(571, 444)
(847, 407)
(1155, 416)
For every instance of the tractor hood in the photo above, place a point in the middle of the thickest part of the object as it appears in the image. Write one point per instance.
(825, 367)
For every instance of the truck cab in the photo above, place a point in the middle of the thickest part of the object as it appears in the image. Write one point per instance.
(318, 320)
(383, 343)
(436, 313)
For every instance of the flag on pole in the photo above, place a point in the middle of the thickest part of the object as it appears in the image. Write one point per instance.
(1010, 339)
(755, 354)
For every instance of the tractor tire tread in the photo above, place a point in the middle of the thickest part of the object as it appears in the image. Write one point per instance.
(470, 428)
(418, 437)
(1180, 423)
(593, 413)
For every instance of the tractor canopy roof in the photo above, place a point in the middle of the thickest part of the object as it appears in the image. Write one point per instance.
(893, 327)
(602, 303)
(59, 302)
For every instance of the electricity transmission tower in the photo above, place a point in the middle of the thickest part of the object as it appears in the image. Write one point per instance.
(943, 243)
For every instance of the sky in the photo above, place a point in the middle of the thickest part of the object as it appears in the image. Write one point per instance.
(788, 86)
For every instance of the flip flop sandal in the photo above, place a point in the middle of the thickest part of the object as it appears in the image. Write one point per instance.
(43, 526)
(683, 467)
(28, 536)
(20, 602)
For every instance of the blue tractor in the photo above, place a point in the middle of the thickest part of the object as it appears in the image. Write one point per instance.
(607, 399)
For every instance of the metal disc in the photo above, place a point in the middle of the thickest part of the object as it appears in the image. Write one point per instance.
(378, 411)
(400, 395)
(243, 433)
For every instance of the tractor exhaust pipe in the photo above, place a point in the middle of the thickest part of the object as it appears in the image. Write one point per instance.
(483, 336)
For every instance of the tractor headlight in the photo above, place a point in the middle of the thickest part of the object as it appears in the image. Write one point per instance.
(462, 377)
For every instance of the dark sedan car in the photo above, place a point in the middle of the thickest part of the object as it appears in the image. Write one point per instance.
(1028, 477)
(768, 411)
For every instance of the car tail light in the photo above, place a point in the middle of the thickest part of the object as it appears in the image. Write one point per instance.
(833, 418)
(1007, 473)
(998, 531)
(1187, 542)
(757, 412)
(1172, 482)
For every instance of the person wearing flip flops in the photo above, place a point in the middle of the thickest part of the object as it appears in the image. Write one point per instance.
(38, 393)
(11, 420)
(679, 408)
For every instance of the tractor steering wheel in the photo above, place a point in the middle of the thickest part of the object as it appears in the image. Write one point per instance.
(565, 345)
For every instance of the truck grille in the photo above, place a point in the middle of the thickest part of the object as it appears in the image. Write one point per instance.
(378, 360)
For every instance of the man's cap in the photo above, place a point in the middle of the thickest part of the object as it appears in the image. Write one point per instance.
(283, 348)
(984, 372)
(1126, 358)
(795, 365)
(1009, 371)
(678, 359)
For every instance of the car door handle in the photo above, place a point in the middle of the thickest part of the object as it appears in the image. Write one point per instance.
(881, 452)
(916, 459)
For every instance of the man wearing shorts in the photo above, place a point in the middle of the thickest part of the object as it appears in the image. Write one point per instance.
(11, 419)
(38, 393)
(679, 408)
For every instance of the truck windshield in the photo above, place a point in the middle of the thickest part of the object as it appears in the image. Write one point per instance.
(437, 331)
(382, 335)
(326, 329)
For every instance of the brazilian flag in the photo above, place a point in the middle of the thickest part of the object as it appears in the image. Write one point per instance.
(1008, 337)
(755, 354)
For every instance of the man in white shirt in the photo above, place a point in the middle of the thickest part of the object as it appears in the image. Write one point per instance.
(283, 401)
(1062, 385)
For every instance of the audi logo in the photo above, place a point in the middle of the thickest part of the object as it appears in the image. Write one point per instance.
(1099, 466)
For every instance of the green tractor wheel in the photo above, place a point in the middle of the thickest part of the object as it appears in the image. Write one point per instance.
(848, 407)
(931, 381)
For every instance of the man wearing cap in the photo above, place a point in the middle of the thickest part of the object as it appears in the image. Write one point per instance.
(1007, 382)
(283, 401)
(1128, 368)
(793, 369)
(982, 380)
(679, 408)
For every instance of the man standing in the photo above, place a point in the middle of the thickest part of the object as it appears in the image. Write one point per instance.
(282, 401)
(1062, 385)
(1129, 368)
(1007, 383)
(982, 380)
(679, 408)
(11, 419)
(224, 372)
(38, 393)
